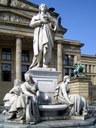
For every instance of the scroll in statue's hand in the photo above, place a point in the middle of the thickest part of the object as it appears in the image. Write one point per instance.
(71, 104)
(44, 22)
(46, 18)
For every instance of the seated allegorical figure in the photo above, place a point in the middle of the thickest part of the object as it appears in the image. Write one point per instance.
(21, 101)
(78, 103)
(28, 99)
(11, 98)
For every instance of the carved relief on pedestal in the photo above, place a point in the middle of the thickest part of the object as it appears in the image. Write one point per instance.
(13, 18)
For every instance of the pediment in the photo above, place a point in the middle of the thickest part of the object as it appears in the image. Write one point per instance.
(23, 4)
(8, 16)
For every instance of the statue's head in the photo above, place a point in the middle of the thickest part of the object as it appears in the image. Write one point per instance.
(66, 79)
(42, 7)
(17, 82)
(28, 77)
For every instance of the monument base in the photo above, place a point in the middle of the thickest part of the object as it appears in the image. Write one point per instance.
(77, 118)
(89, 123)
(81, 86)
(46, 80)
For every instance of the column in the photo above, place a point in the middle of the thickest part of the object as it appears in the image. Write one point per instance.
(95, 75)
(59, 60)
(0, 63)
(84, 69)
(18, 57)
(87, 68)
(92, 69)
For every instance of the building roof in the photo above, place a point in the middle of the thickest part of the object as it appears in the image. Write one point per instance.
(88, 56)
(73, 42)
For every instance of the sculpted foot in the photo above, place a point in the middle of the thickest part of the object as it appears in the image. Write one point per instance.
(38, 65)
(45, 66)
(12, 116)
(30, 66)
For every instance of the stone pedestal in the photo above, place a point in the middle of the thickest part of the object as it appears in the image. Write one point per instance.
(81, 86)
(89, 123)
(46, 79)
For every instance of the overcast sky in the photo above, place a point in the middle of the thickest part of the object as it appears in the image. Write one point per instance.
(79, 17)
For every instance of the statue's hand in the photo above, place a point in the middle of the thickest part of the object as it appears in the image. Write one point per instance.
(34, 98)
(44, 22)
(71, 104)
(46, 18)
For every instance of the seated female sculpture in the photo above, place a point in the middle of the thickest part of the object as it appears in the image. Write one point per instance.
(23, 101)
(11, 98)
(28, 99)
(78, 103)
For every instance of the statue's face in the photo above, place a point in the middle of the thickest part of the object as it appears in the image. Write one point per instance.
(27, 77)
(43, 8)
(68, 79)
(17, 82)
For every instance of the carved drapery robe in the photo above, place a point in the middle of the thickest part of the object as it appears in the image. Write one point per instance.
(43, 37)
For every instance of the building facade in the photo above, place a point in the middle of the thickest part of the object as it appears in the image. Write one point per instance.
(16, 51)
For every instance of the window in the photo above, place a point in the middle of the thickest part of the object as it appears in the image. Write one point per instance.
(6, 72)
(25, 55)
(68, 60)
(24, 70)
(66, 71)
(72, 72)
(85, 68)
(6, 54)
(71, 60)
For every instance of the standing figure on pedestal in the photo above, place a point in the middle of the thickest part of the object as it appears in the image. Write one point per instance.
(44, 27)
(62, 96)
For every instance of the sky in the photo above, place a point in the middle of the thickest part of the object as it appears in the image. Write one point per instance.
(79, 17)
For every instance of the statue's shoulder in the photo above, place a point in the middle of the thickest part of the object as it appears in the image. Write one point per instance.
(23, 84)
(36, 16)
(59, 84)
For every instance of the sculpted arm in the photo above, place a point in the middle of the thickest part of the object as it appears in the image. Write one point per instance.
(53, 23)
(25, 91)
(35, 22)
(12, 90)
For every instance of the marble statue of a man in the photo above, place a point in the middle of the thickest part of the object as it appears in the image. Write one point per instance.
(44, 27)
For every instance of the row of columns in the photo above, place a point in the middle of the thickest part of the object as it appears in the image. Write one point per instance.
(90, 68)
(59, 59)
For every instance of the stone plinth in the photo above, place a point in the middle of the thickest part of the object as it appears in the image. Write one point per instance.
(81, 86)
(89, 123)
(46, 79)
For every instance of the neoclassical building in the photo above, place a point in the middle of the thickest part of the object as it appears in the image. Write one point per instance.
(16, 51)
